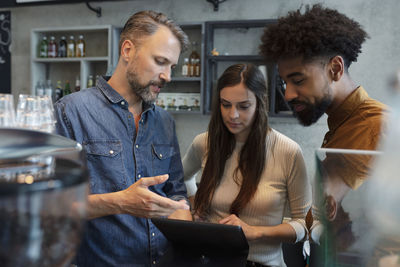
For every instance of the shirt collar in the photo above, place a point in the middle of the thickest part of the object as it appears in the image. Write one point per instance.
(114, 97)
(348, 106)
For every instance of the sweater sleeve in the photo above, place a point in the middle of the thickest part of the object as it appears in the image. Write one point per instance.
(299, 195)
(192, 162)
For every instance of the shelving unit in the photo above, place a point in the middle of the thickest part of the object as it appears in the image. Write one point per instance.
(178, 84)
(99, 57)
(189, 85)
(237, 41)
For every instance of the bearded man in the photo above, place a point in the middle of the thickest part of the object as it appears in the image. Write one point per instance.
(314, 50)
(135, 170)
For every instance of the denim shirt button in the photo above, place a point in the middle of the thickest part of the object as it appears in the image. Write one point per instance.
(111, 152)
(160, 155)
(122, 103)
(137, 146)
(154, 262)
(153, 234)
(139, 176)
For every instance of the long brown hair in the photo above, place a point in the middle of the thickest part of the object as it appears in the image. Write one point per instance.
(221, 142)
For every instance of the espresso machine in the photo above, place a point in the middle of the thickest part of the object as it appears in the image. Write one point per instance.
(43, 196)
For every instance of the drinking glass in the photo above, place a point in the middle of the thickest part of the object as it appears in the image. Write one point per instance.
(7, 112)
(28, 112)
(20, 108)
(47, 120)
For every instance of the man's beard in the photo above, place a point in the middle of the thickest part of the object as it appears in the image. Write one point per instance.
(312, 112)
(143, 90)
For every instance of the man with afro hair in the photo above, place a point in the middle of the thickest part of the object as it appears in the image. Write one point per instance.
(313, 51)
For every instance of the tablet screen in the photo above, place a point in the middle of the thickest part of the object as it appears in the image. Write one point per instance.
(203, 235)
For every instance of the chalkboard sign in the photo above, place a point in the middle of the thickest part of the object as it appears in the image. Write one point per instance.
(5, 55)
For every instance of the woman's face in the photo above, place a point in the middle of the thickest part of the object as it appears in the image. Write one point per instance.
(238, 106)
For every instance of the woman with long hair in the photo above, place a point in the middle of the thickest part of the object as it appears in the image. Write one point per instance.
(250, 172)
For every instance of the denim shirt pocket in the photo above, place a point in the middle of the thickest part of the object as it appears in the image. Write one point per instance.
(106, 165)
(162, 155)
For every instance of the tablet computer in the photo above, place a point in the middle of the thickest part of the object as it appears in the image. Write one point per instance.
(203, 243)
(203, 234)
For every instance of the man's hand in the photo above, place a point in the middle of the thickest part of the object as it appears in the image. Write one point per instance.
(136, 200)
(181, 214)
(139, 201)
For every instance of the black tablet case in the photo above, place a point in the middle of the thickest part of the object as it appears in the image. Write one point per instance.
(202, 244)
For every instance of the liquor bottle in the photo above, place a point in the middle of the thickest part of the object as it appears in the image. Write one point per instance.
(77, 84)
(67, 88)
(185, 67)
(193, 58)
(43, 47)
(191, 68)
(80, 47)
(39, 88)
(52, 47)
(62, 47)
(90, 81)
(48, 89)
(58, 92)
(196, 68)
(71, 47)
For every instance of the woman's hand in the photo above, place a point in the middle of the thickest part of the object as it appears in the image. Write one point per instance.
(251, 232)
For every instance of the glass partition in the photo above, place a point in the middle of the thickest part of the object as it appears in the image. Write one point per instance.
(349, 227)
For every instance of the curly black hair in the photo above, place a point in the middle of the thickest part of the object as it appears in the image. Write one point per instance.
(318, 33)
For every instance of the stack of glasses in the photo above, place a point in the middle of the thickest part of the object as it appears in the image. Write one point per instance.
(33, 112)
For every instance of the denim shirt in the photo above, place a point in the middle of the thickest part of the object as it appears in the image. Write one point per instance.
(117, 157)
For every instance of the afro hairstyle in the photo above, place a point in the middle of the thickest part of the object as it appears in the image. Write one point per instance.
(318, 33)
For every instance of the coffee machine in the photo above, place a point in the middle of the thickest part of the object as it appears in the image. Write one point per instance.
(43, 196)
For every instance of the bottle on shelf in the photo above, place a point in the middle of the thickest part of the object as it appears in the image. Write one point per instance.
(67, 88)
(194, 56)
(90, 82)
(77, 85)
(196, 68)
(52, 47)
(71, 47)
(39, 88)
(80, 47)
(48, 89)
(58, 92)
(62, 47)
(185, 67)
(43, 46)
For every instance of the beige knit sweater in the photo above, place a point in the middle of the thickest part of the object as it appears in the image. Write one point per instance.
(283, 183)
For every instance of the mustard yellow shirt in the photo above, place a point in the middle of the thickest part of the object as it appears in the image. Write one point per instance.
(356, 124)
